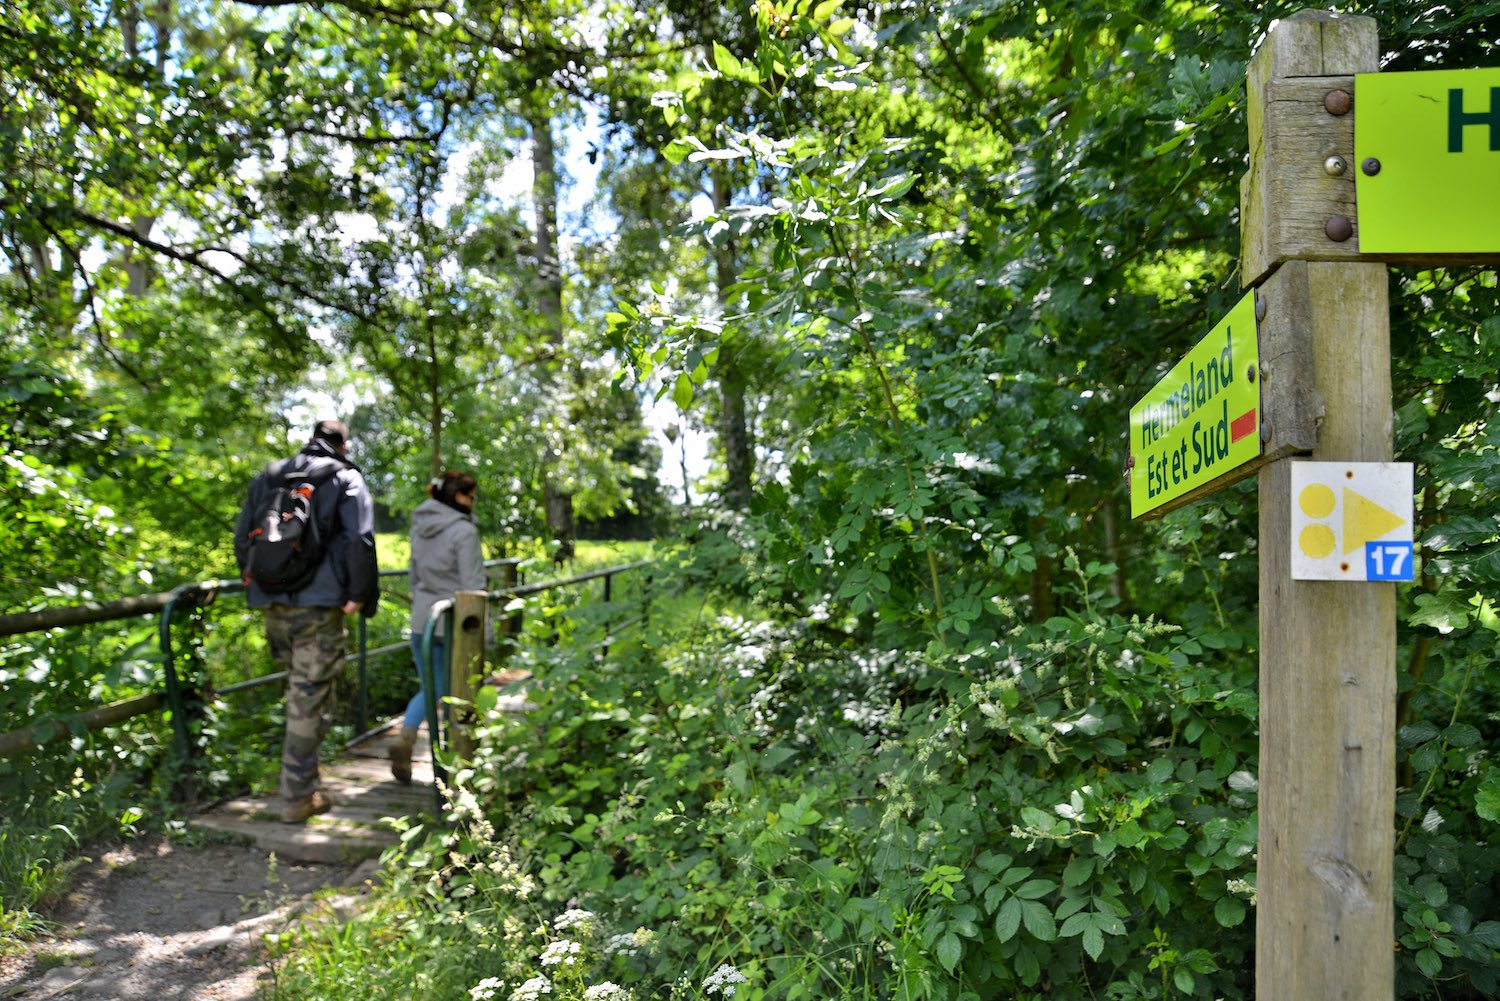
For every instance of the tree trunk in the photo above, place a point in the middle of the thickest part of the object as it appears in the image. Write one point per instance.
(138, 267)
(435, 420)
(434, 355)
(544, 203)
(734, 430)
(557, 501)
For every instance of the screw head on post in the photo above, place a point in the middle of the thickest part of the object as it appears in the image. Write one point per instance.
(1371, 167)
(1335, 166)
(1338, 102)
(1339, 228)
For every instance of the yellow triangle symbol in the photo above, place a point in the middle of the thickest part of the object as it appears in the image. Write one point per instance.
(1365, 520)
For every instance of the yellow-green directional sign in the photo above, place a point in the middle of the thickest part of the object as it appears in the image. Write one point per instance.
(1427, 155)
(1202, 419)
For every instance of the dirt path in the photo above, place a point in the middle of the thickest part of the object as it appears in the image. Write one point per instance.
(153, 920)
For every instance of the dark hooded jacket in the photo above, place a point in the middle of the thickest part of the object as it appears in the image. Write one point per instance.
(346, 520)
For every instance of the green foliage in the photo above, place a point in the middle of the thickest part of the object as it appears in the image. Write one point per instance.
(941, 722)
(965, 273)
(1067, 804)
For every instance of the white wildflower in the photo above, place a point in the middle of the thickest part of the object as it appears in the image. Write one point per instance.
(726, 979)
(574, 918)
(606, 992)
(1241, 888)
(485, 989)
(563, 952)
(532, 989)
(629, 944)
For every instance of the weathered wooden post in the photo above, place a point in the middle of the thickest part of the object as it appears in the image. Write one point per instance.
(470, 609)
(1324, 917)
(1305, 369)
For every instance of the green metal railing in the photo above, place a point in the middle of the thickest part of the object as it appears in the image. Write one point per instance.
(182, 696)
(206, 592)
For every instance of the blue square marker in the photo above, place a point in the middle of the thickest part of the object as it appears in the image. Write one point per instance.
(1388, 561)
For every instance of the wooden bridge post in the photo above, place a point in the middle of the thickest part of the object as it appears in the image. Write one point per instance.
(470, 609)
(1324, 917)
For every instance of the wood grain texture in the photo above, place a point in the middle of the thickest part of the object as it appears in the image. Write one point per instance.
(1288, 193)
(470, 609)
(1288, 197)
(1292, 407)
(1324, 916)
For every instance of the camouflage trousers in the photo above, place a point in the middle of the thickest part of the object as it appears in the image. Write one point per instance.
(308, 643)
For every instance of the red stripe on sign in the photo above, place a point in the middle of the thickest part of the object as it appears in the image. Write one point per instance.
(1242, 426)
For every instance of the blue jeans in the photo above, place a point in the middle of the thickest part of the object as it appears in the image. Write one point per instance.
(416, 709)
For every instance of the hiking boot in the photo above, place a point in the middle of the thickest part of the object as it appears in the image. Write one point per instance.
(297, 813)
(400, 755)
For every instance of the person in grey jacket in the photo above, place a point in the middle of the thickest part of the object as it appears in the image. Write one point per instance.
(445, 558)
(305, 626)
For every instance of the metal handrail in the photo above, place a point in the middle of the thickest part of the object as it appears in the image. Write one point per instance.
(204, 592)
(441, 610)
(522, 590)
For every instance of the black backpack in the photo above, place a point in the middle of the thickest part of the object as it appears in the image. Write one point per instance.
(286, 542)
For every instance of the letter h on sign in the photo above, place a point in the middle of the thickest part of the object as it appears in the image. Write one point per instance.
(1458, 118)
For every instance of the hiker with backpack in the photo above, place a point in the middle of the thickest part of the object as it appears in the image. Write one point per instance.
(445, 558)
(305, 544)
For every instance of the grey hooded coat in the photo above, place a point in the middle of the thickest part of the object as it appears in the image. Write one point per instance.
(445, 558)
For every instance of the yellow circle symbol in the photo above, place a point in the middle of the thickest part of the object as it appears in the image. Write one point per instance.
(1316, 541)
(1317, 502)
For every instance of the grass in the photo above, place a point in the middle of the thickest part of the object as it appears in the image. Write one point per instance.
(51, 959)
(39, 848)
(394, 549)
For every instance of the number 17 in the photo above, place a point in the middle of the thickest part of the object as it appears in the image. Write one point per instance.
(1388, 561)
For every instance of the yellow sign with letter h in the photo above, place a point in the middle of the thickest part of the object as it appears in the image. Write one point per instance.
(1427, 161)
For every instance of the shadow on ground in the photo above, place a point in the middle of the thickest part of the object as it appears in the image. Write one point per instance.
(153, 920)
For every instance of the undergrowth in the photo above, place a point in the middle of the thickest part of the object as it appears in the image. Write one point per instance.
(1064, 812)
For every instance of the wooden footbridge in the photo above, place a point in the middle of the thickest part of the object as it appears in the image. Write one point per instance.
(366, 798)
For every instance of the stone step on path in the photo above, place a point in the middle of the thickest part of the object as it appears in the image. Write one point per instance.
(364, 795)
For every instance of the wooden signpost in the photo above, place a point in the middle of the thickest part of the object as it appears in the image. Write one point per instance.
(1175, 444)
(470, 611)
(1325, 913)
